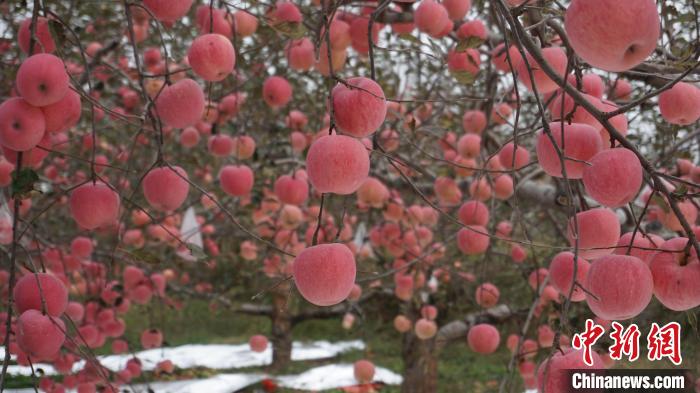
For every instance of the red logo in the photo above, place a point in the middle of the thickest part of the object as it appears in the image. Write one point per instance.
(587, 339)
(665, 342)
(626, 342)
(662, 341)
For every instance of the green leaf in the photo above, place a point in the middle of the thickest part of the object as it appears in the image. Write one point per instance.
(145, 256)
(464, 77)
(290, 29)
(686, 18)
(671, 9)
(409, 37)
(413, 124)
(681, 191)
(23, 182)
(660, 201)
(470, 42)
(197, 251)
(57, 31)
(437, 51)
(693, 321)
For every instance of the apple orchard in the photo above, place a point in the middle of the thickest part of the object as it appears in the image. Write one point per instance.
(472, 173)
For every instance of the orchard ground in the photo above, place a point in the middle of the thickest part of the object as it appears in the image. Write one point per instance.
(460, 370)
(196, 323)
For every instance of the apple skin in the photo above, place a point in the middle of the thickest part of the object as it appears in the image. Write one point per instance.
(561, 271)
(42, 79)
(582, 143)
(676, 286)
(359, 105)
(613, 35)
(483, 338)
(28, 296)
(337, 164)
(22, 126)
(41, 336)
(614, 177)
(94, 205)
(212, 57)
(430, 17)
(557, 60)
(553, 375)
(619, 287)
(598, 232)
(325, 274)
(181, 104)
(680, 104)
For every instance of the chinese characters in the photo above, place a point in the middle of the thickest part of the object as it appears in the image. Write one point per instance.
(662, 341)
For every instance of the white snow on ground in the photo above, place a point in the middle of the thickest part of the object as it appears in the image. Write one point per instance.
(321, 378)
(191, 356)
(333, 376)
(213, 356)
(322, 349)
(222, 383)
(328, 377)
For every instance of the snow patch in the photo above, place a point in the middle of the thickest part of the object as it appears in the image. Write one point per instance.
(222, 383)
(334, 376)
(212, 356)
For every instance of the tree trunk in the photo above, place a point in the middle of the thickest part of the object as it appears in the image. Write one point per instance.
(281, 328)
(420, 365)
(420, 357)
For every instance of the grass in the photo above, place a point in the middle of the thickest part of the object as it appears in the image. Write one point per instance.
(460, 370)
(194, 323)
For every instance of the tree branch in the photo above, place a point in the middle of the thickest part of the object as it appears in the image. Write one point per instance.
(458, 329)
(601, 117)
